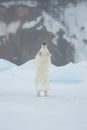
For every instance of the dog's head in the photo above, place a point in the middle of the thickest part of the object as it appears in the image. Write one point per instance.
(44, 46)
(44, 50)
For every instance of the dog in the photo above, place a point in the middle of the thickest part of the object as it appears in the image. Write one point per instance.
(42, 59)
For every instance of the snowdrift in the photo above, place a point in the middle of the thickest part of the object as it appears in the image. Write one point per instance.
(66, 74)
(5, 65)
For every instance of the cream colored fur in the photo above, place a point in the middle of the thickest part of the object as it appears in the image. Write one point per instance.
(42, 58)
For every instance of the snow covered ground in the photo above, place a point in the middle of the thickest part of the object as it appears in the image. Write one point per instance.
(64, 109)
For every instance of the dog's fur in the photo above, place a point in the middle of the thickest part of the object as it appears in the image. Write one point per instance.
(43, 59)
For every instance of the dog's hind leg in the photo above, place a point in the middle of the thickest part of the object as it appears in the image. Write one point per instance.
(38, 93)
(46, 93)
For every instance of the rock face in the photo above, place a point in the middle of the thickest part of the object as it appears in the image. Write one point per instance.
(22, 31)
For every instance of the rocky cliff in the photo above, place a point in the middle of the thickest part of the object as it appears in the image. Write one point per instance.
(25, 25)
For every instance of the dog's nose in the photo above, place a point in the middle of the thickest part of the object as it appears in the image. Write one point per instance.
(44, 44)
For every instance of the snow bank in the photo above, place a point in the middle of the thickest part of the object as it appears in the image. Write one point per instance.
(25, 71)
(28, 65)
(67, 73)
(5, 65)
(70, 73)
(82, 68)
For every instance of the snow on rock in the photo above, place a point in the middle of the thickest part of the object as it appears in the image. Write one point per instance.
(74, 16)
(75, 19)
(39, 28)
(51, 24)
(32, 23)
(3, 28)
(13, 27)
(27, 3)
(72, 21)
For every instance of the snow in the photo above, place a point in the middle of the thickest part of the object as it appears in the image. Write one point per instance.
(76, 28)
(55, 40)
(13, 27)
(65, 74)
(4, 65)
(39, 28)
(11, 3)
(65, 108)
(51, 24)
(31, 23)
(3, 28)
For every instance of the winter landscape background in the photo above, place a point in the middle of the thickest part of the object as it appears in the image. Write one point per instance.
(24, 26)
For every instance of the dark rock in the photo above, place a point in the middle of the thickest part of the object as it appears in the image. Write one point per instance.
(24, 44)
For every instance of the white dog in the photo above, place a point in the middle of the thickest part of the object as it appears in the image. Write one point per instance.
(43, 59)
